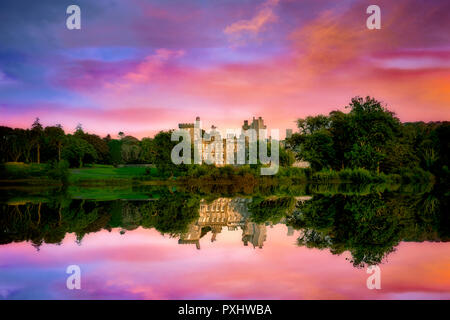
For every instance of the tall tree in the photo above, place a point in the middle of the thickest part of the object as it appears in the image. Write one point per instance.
(37, 136)
(78, 151)
(54, 136)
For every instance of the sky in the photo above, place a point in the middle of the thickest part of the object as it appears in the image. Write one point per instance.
(144, 66)
(143, 264)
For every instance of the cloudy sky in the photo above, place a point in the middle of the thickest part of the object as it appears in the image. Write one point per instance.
(143, 66)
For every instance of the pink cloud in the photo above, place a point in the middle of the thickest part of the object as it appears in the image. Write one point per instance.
(143, 264)
(264, 15)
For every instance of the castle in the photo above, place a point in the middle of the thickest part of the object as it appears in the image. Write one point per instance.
(213, 141)
(214, 148)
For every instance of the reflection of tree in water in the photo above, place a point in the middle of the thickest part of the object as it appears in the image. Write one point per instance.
(50, 221)
(370, 226)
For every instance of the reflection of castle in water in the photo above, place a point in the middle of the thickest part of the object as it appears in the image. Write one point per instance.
(225, 212)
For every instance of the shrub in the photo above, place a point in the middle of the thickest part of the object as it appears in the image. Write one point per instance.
(58, 171)
(360, 175)
(416, 175)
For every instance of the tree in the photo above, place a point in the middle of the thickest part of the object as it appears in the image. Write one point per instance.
(130, 149)
(17, 142)
(313, 123)
(100, 146)
(115, 151)
(287, 157)
(37, 134)
(148, 153)
(78, 151)
(341, 132)
(163, 148)
(5, 144)
(318, 150)
(54, 137)
(367, 137)
(372, 127)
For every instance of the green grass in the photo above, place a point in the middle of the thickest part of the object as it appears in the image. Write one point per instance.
(23, 170)
(105, 172)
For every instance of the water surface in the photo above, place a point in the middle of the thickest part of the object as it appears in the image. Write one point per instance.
(171, 244)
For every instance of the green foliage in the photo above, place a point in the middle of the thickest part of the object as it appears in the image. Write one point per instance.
(54, 139)
(416, 175)
(20, 170)
(360, 176)
(78, 151)
(370, 137)
(312, 124)
(318, 150)
(58, 170)
(271, 209)
(115, 154)
(100, 146)
(130, 149)
(287, 157)
(163, 146)
(148, 153)
(370, 226)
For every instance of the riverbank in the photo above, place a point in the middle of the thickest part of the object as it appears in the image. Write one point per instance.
(107, 175)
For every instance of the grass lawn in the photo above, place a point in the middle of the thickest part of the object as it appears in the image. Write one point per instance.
(106, 172)
(24, 170)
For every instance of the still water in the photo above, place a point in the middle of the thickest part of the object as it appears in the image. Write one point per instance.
(166, 243)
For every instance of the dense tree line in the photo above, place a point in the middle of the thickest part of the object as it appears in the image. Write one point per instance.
(42, 145)
(369, 136)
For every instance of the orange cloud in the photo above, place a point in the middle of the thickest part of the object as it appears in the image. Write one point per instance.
(152, 64)
(240, 29)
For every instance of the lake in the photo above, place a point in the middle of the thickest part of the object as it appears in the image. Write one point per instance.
(172, 242)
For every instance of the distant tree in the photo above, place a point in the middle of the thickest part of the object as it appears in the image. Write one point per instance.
(130, 149)
(313, 123)
(107, 138)
(115, 151)
(54, 137)
(5, 136)
(37, 134)
(79, 129)
(163, 148)
(17, 142)
(78, 151)
(148, 152)
(100, 146)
